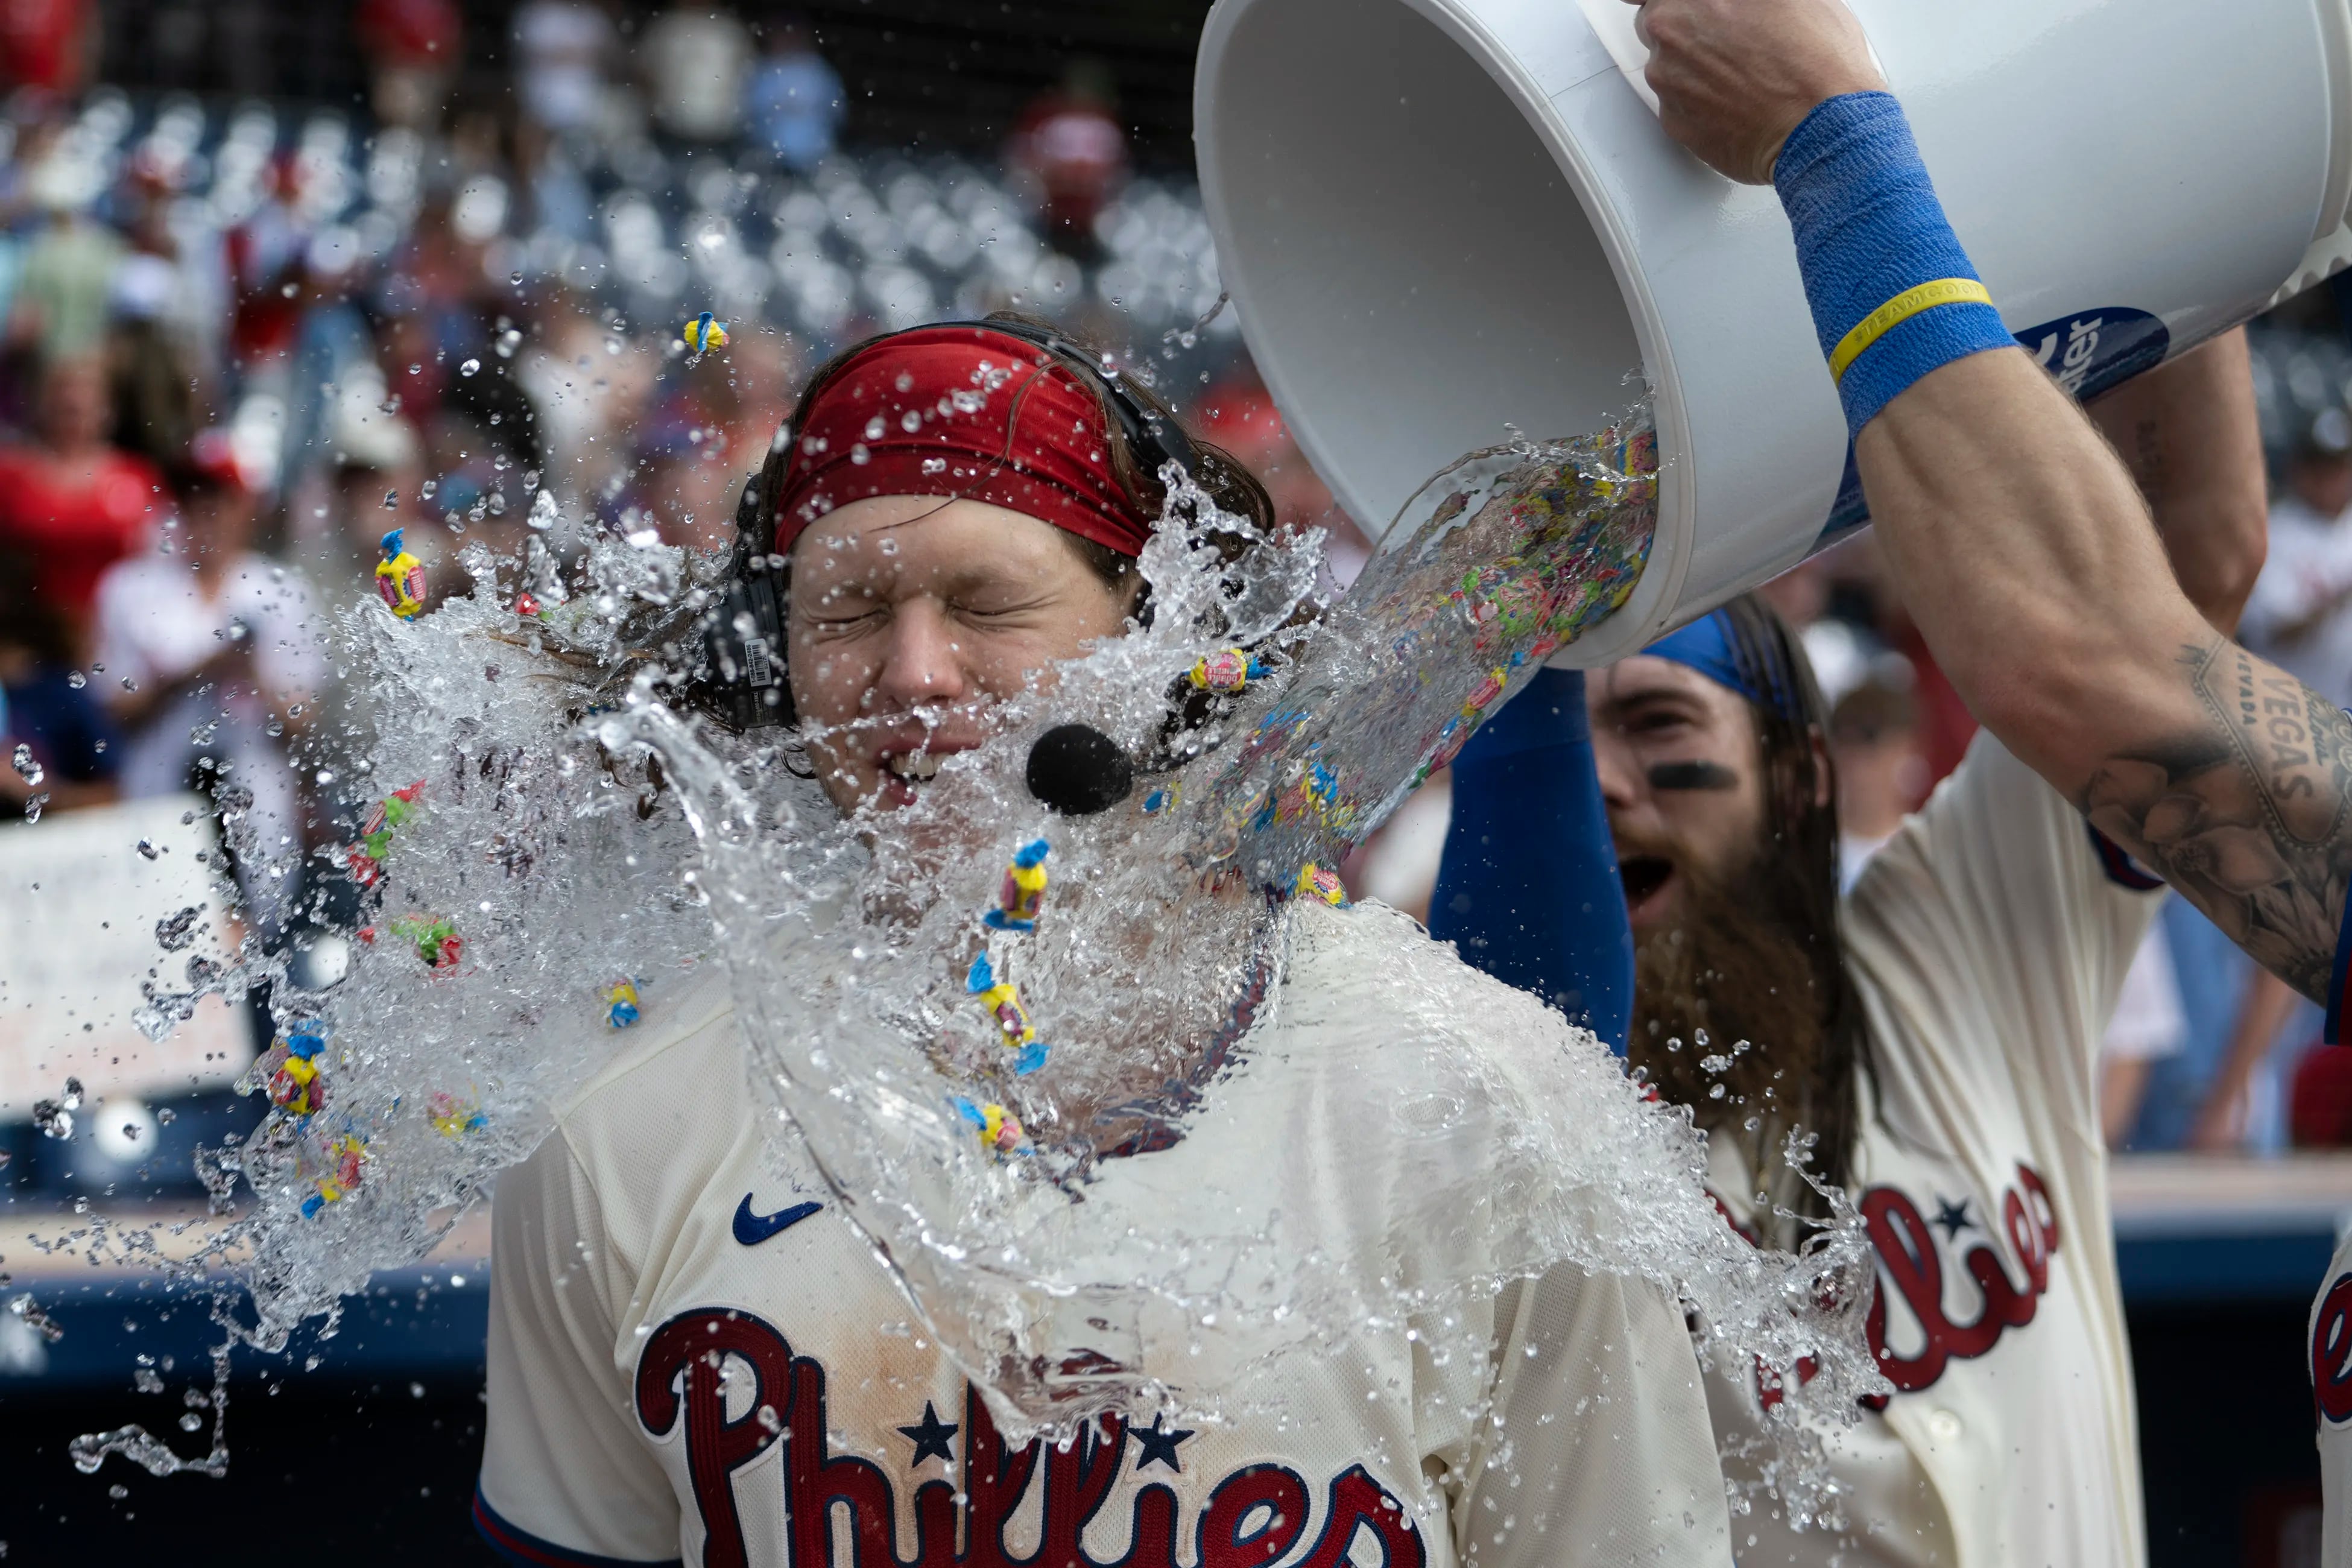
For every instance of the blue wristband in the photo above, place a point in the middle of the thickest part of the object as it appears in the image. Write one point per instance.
(1872, 243)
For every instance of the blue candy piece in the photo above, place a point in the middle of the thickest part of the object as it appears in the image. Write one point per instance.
(970, 1113)
(311, 1205)
(997, 920)
(1031, 854)
(982, 976)
(623, 1014)
(1032, 1058)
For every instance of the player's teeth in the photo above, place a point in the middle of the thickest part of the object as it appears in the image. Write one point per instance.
(915, 765)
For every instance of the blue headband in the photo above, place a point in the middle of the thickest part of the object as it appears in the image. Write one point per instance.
(1705, 645)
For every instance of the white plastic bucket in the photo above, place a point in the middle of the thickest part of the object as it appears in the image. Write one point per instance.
(1439, 218)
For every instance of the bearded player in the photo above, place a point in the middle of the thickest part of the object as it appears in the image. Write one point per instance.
(691, 1360)
(1932, 1037)
(2033, 572)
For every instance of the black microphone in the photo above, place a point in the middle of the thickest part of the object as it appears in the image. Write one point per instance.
(1078, 771)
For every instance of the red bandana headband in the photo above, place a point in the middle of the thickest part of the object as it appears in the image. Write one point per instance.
(959, 412)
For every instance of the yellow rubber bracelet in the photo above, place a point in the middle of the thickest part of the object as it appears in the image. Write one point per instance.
(1901, 309)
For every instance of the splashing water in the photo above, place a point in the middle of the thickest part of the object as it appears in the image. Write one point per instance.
(555, 837)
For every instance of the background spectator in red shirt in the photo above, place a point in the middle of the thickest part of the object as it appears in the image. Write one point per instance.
(1072, 146)
(47, 43)
(414, 47)
(69, 501)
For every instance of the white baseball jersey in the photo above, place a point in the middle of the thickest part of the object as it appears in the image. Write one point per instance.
(1988, 938)
(688, 1362)
(2330, 1338)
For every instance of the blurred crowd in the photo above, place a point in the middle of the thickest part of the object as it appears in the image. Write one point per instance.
(249, 351)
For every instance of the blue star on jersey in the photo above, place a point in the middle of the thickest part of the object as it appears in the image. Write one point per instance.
(932, 1436)
(1159, 1444)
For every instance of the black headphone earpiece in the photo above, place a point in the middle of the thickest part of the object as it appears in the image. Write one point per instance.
(741, 683)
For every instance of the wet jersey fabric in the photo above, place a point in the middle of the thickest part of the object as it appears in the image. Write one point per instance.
(1990, 941)
(694, 1358)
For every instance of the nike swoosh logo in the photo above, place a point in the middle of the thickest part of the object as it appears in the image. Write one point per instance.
(752, 1229)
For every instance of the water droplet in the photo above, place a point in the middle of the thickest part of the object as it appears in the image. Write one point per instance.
(515, 278)
(910, 421)
(543, 513)
(391, 501)
(612, 345)
(860, 455)
(877, 428)
(147, 848)
(77, 679)
(469, 367)
(26, 768)
(175, 932)
(424, 491)
(191, 1422)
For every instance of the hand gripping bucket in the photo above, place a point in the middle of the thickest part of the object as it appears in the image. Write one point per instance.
(1442, 219)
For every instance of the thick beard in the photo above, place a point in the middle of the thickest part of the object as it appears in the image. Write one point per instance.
(1735, 977)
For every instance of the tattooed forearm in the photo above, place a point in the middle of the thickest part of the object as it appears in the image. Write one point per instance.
(2249, 816)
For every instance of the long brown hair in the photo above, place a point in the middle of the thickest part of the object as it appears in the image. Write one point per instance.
(1801, 820)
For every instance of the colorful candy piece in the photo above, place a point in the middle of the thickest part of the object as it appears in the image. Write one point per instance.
(291, 1074)
(435, 939)
(1225, 673)
(527, 605)
(400, 578)
(1320, 882)
(999, 1129)
(1001, 998)
(1488, 690)
(453, 1116)
(344, 1157)
(1024, 893)
(364, 861)
(705, 332)
(622, 1001)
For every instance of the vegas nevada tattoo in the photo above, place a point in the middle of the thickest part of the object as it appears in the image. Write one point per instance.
(2249, 815)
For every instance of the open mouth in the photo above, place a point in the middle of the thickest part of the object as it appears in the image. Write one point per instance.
(913, 767)
(1643, 875)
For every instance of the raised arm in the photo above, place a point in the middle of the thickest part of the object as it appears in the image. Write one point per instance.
(2189, 432)
(2054, 612)
(1529, 885)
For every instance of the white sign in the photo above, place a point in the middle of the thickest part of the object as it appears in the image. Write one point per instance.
(81, 903)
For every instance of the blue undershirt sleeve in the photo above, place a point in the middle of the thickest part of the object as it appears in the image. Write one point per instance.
(1527, 887)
